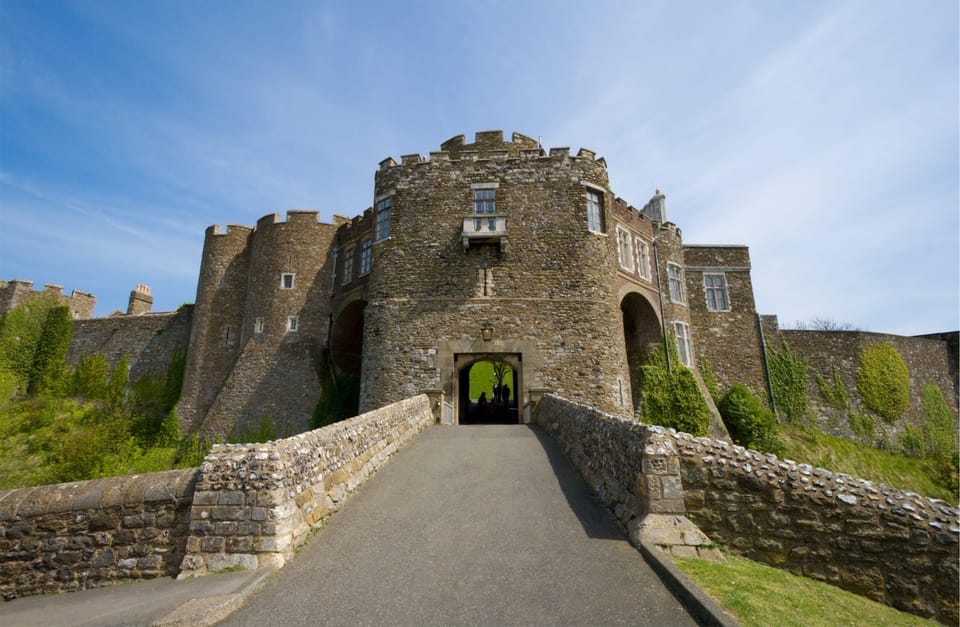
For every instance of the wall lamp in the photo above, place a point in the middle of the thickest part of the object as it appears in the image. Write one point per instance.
(486, 331)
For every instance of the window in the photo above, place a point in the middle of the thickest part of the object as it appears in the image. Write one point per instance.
(594, 212)
(292, 324)
(643, 259)
(716, 289)
(485, 200)
(286, 281)
(682, 331)
(675, 275)
(382, 228)
(347, 266)
(625, 248)
(366, 255)
(227, 330)
(258, 325)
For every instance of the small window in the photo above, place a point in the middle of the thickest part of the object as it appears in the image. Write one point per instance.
(594, 211)
(347, 267)
(682, 331)
(643, 259)
(366, 256)
(293, 324)
(258, 326)
(716, 290)
(485, 200)
(625, 249)
(286, 281)
(382, 228)
(675, 275)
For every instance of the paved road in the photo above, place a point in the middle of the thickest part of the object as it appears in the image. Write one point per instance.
(468, 525)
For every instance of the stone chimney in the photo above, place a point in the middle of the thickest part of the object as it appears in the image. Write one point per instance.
(656, 207)
(141, 300)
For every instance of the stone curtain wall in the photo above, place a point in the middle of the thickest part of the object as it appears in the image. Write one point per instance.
(248, 505)
(83, 535)
(895, 547)
(255, 503)
(149, 340)
(928, 360)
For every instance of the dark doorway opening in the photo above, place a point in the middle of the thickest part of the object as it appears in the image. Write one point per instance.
(344, 360)
(488, 392)
(641, 334)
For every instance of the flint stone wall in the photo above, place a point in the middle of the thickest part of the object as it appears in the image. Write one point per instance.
(88, 534)
(892, 546)
(255, 503)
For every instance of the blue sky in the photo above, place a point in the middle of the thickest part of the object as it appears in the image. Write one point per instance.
(824, 135)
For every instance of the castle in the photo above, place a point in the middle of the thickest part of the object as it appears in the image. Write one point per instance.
(496, 250)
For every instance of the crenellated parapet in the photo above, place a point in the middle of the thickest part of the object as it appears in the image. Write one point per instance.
(490, 145)
(18, 291)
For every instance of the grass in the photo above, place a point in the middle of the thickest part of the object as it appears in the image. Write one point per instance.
(481, 379)
(920, 475)
(761, 595)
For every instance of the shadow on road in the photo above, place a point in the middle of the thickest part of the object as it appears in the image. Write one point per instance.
(596, 521)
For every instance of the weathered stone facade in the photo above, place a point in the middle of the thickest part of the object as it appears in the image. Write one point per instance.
(571, 284)
(895, 547)
(249, 505)
(87, 534)
(928, 360)
(16, 292)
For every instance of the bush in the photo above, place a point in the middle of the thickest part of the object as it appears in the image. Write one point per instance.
(788, 374)
(883, 380)
(673, 399)
(750, 423)
(940, 428)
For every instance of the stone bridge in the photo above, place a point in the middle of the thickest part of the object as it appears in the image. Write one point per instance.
(468, 513)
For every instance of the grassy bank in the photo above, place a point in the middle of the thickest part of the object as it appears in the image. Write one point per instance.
(758, 595)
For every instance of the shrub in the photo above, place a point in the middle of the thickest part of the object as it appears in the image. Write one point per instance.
(750, 423)
(788, 375)
(672, 398)
(940, 427)
(883, 380)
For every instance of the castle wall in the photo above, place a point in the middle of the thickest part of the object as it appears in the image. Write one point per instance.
(149, 341)
(275, 374)
(726, 335)
(894, 547)
(928, 360)
(217, 319)
(87, 534)
(16, 292)
(549, 284)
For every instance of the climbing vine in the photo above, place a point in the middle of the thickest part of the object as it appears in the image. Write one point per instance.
(788, 374)
(883, 380)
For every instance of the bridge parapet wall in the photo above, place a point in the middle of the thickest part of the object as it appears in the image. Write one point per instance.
(87, 534)
(255, 503)
(892, 546)
(889, 545)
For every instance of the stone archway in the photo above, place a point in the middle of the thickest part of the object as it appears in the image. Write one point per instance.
(478, 399)
(344, 358)
(641, 334)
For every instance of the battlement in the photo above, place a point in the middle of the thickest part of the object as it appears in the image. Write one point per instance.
(489, 145)
(18, 291)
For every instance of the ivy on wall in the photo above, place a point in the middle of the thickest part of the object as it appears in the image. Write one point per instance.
(883, 380)
(788, 374)
(833, 392)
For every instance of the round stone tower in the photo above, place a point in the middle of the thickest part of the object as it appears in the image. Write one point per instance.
(493, 250)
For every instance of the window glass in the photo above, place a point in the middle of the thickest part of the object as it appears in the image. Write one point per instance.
(484, 200)
(643, 259)
(366, 255)
(675, 275)
(683, 342)
(625, 249)
(382, 228)
(716, 290)
(347, 266)
(286, 280)
(594, 212)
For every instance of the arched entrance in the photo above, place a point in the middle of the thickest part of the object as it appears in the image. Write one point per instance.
(344, 357)
(641, 334)
(488, 389)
